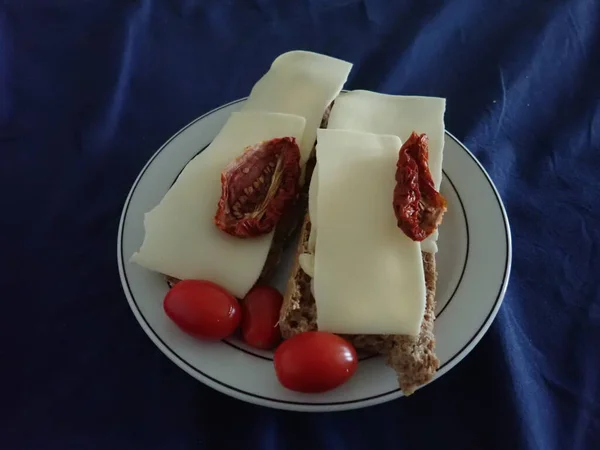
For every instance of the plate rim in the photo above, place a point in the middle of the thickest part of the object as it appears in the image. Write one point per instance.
(289, 404)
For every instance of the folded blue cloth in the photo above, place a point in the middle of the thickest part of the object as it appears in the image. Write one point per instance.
(90, 89)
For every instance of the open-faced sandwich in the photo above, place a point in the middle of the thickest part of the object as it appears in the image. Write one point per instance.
(366, 257)
(181, 239)
(369, 212)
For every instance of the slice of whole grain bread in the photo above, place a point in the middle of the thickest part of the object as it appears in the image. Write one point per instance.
(412, 357)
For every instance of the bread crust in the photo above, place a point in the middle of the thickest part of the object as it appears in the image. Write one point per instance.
(412, 357)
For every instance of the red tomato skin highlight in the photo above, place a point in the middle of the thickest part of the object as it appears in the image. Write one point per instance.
(203, 309)
(315, 362)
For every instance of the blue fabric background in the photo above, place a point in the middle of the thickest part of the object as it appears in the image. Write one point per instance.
(90, 89)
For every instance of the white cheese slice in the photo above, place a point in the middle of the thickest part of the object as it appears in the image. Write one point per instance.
(301, 83)
(181, 239)
(398, 115)
(368, 275)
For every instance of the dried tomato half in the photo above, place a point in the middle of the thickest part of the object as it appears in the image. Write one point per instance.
(418, 206)
(258, 186)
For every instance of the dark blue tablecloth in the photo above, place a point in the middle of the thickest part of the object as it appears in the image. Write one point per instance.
(90, 89)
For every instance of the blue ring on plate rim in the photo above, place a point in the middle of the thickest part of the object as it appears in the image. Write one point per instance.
(499, 296)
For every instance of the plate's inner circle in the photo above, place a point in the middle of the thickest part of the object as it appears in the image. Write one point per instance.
(473, 264)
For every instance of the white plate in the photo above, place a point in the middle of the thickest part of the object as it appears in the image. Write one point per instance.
(473, 264)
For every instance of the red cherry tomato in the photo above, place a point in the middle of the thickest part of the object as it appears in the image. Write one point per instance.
(261, 316)
(315, 361)
(203, 309)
